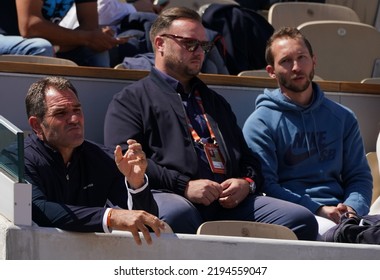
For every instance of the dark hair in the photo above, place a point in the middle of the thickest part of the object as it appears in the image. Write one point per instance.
(35, 99)
(290, 32)
(166, 17)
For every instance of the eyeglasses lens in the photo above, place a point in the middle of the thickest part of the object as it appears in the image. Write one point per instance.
(191, 45)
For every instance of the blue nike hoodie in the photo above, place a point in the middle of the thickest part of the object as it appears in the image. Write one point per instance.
(313, 155)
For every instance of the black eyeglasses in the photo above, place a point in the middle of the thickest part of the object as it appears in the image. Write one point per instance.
(191, 44)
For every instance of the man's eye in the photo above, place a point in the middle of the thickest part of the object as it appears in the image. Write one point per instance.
(58, 114)
(191, 44)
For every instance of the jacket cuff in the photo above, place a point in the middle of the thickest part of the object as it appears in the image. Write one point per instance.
(182, 181)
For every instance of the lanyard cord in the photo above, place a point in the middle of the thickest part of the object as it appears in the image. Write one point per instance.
(194, 134)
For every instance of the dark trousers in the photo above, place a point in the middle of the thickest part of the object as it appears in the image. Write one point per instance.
(185, 217)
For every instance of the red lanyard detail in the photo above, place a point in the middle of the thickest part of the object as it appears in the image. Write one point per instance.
(194, 134)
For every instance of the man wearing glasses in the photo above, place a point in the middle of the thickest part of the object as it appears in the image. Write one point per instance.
(198, 161)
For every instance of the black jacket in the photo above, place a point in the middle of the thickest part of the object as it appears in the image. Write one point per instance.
(151, 112)
(74, 197)
(245, 34)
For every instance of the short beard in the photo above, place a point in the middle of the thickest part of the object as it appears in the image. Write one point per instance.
(288, 84)
(178, 67)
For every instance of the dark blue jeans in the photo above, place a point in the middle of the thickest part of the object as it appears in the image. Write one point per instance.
(185, 217)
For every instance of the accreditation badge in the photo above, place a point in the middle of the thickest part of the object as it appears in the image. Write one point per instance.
(215, 158)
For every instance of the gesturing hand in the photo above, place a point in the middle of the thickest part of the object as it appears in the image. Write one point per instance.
(132, 164)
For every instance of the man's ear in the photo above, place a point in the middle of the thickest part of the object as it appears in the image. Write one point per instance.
(158, 44)
(270, 70)
(35, 124)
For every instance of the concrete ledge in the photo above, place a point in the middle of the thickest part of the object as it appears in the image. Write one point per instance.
(36, 243)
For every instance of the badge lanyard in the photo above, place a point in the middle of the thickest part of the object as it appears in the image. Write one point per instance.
(212, 151)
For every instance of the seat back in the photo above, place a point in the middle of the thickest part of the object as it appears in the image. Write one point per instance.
(264, 74)
(295, 13)
(374, 166)
(345, 51)
(366, 9)
(371, 81)
(246, 229)
(244, 35)
(37, 59)
(254, 73)
(119, 66)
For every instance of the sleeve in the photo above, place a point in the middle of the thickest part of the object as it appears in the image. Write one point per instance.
(378, 149)
(250, 165)
(82, 218)
(142, 198)
(112, 11)
(121, 195)
(67, 217)
(125, 119)
(356, 174)
(70, 20)
(47, 213)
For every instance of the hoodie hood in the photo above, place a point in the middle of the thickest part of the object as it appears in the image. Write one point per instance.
(276, 100)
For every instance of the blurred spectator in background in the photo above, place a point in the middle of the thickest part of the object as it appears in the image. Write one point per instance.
(112, 12)
(131, 18)
(17, 44)
(87, 45)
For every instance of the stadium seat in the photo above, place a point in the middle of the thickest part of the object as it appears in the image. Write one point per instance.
(246, 229)
(119, 66)
(374, 166)
(263, 73)
(367, 10)
(37, 59)
(295, 13)
(254, 73)
(345, 50)
(371, 81)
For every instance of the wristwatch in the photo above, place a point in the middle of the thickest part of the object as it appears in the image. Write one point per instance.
(252, 185)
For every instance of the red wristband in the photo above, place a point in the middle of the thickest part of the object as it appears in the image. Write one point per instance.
(249, 180)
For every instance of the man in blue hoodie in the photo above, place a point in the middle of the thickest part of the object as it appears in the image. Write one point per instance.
(310, 147)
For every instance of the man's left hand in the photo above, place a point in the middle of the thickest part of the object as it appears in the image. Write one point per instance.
(132, 164)
(234, 191)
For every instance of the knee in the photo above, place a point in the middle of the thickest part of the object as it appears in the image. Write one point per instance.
(42, 47)
(179, 213)
(305, 225)
(182, 219)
